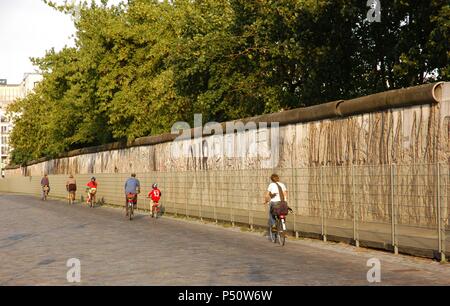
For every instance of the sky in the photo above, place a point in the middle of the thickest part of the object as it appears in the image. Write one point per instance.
(27, 29)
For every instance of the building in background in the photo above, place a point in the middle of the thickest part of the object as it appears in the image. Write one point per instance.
(8, 94)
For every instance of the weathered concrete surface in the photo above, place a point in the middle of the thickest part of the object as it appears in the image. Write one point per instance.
(375, 131)
(37, 238)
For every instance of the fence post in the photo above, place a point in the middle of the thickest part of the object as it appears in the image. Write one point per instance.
(200, 178)
(186, 194)
(355, 231)
(440, 224)
(164, 185)
(228, 200)
(294, 198)
(393, 216)
(172, 190)
(322, 212)
(218, 192)
(250, 204)
(173, 194)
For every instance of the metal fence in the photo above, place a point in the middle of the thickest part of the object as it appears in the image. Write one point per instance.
(398, 207)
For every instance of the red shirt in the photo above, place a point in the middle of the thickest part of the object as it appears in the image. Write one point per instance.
(155, 194)
(92, 184)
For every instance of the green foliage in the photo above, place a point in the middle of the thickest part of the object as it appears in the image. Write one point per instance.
(140, 66)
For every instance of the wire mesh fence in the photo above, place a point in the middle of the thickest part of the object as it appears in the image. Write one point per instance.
(398, 206)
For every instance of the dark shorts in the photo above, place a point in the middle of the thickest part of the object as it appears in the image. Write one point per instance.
(72, 188)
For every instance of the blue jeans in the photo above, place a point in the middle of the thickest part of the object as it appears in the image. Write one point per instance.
(271, 217)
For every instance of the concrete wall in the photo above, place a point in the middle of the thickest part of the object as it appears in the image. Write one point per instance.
(411, 134)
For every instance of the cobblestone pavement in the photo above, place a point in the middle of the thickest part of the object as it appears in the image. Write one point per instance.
(38, 238)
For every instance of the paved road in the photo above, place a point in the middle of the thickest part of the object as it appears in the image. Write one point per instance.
(37, 238)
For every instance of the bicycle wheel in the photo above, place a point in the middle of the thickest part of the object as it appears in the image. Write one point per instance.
(281, 234)
(130, 211)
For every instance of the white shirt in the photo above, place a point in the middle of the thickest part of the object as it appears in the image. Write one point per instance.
(273, 188)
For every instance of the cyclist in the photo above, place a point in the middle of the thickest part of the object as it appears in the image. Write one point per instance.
(71, 187)
(92, 189)
(132, 189)
(155, 195)
(45, 185)
(272, 196)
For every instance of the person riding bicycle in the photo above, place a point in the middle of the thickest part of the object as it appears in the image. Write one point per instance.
(91, 189)
(155, 195)
(45, 185)
(71, 187)
(132, 189)
(272, 196)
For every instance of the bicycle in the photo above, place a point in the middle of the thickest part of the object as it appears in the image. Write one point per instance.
(130, 203)
(278, 234)
(91, 196)
(71, 197)
(45, 190)
(156, 209)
